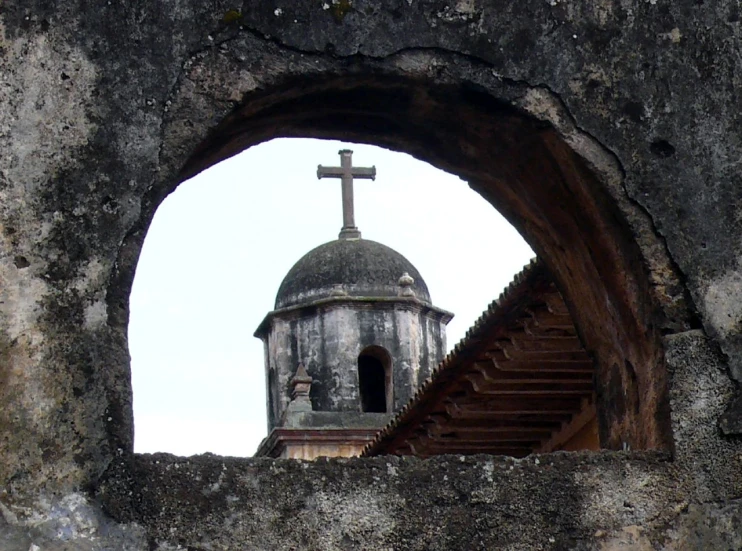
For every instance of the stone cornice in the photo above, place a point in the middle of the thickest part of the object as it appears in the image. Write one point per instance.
(311, 308)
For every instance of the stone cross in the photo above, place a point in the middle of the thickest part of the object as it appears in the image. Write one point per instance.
(346, 172)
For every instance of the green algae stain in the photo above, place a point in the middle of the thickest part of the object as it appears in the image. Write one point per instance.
(232, 16)
(339, 8)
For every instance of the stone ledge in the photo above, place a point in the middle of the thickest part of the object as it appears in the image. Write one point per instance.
(447, 502)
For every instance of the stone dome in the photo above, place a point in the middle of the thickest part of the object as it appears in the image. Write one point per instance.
(349, 267)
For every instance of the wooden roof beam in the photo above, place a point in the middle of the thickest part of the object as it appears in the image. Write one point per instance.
(532, 328)
(484, 389)
(526, 405)
(492, 374)
(525, 341)
(478, 423)
(554, 300)
(523, 442)
(493, 433)
(566, 366)
(542, 317)
(484, 384)
(469, 449)
(531, 418)
(512, 353)
(570, 428)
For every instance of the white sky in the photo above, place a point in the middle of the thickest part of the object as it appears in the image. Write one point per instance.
(220, 245)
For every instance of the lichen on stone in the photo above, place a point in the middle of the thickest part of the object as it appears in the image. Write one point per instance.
(232, 16)
(338, 8)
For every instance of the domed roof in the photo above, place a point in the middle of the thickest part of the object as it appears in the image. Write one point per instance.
(349, 267)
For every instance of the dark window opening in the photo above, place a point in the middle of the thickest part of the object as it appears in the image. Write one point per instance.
(372, 384)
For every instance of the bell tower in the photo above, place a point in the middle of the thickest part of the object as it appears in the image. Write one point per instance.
(352, 336)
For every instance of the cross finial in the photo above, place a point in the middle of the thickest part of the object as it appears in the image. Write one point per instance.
(346, 172)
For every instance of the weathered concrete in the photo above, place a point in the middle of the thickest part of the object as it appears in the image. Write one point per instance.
(398, 503)
(328, 336)
(608, 132)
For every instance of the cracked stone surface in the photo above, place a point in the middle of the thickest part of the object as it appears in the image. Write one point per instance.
(608, 132)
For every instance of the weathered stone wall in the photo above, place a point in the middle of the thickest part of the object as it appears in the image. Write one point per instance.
(608, 500)
(328, 338)
(607, 131)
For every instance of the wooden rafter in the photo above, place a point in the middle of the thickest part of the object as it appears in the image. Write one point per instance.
(519, 382)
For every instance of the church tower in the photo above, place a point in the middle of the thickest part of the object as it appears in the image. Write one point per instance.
(352, 337)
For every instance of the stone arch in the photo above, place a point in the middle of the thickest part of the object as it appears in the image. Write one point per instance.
(375, 377)
(107, 110)
(515, 144)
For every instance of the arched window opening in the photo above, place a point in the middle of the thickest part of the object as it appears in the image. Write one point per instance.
(522, 164)
(374, 381)
(202, 349)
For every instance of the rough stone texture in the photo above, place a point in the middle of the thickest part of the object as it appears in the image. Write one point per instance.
(390, 503)
(700, 393)
(608, 132)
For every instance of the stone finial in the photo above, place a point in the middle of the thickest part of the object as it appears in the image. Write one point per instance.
(302, 384)
(405, 285)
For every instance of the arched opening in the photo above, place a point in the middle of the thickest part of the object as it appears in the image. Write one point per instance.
(371, 384)
(519, 150)
(202, 288)
(485, 114)
(375, 380)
